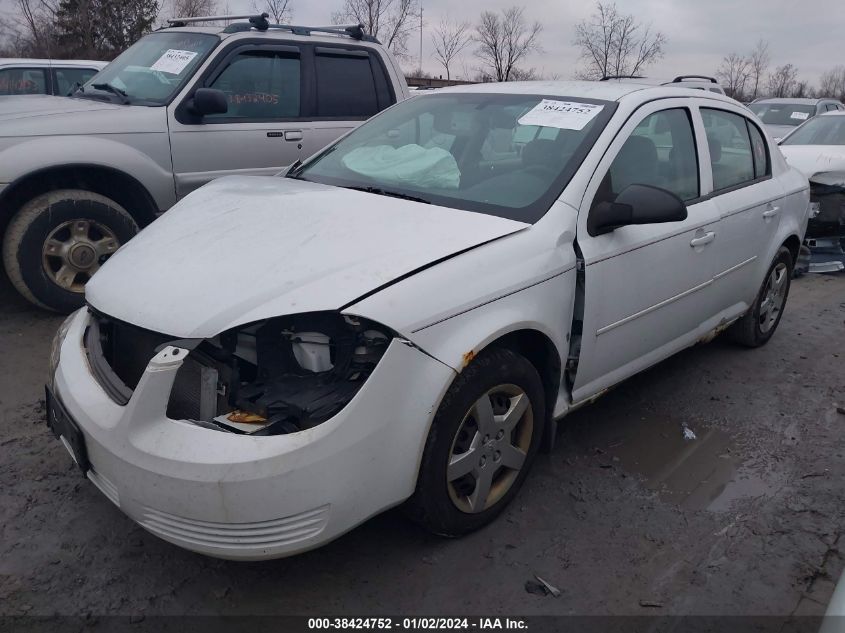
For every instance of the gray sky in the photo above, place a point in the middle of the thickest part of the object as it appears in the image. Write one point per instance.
(699, 32)
(808, 35)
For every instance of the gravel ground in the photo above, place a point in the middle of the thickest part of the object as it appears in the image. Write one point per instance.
(625, 517)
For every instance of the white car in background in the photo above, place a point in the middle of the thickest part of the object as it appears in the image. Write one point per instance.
(403, 318)
(22, 76)
(782, 115)
(817, 149)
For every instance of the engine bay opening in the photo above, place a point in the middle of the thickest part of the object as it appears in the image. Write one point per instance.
(277, 376)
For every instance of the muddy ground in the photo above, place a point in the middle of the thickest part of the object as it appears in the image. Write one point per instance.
(744, 519)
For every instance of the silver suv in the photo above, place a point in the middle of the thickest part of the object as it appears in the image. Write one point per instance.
(79, 176)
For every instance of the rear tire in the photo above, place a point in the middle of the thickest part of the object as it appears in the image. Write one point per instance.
(57, 240)
(757, 326)
(481, 445)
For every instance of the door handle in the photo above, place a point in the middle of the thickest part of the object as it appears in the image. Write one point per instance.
(771, 212)
(293, 135)
(704, 239)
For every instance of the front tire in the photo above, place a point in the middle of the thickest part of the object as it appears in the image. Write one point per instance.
(58, 240)
(757, 326)
(481, 445)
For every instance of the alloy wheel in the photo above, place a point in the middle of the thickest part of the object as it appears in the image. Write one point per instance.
(75, 250)
(774, 296)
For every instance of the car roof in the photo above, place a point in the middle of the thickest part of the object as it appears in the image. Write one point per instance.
(603, 90)
(797, 100)
(23, 61)
(221, 31)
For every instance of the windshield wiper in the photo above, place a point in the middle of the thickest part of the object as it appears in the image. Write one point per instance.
(112, 89)
(392, 194)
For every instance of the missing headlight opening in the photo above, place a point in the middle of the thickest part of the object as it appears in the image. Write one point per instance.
(278, 376)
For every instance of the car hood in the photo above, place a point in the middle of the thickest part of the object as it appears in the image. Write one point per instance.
(815, 159)
(779, 131)
(41, 115)
(244, 248)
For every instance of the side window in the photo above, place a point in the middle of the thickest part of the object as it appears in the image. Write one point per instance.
(660, 152)
(260, 85)
(22, 81)
(762, 165)
(831, 106)
(67, 78)
(731, 158)
(346, 83)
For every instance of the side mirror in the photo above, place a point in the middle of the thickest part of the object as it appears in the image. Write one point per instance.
(210, 101)
(636, 204)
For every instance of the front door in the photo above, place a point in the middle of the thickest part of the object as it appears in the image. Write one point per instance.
(262, 131)
(646, 286)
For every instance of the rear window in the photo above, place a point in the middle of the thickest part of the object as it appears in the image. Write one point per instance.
(783, 113)
(349, 84)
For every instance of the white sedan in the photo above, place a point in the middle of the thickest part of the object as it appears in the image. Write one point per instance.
(403, 318)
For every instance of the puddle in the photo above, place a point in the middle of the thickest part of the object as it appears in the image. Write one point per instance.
(704, 473)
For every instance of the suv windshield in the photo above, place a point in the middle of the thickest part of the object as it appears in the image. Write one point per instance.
(783, 113)
(822, 130)
(501, 154)
(150, 71)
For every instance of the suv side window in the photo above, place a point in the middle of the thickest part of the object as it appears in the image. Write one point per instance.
(260, 84)
(660, 152)
(350, 84)
(67, 78)
(731, 156)
(22, 81)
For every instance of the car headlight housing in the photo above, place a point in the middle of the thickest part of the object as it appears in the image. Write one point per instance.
(56, 349)
(278, 376)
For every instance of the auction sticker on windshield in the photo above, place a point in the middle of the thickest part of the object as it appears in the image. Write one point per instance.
(173, 61)
(801, 116)
(565, 115)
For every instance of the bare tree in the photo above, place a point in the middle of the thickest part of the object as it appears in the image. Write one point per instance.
(733, 73)
(192, 8)
(281, 11)
(801, 89)
(391, 21)
(758, 64)
(449, 40)
(615, 44)
(504, 41)
(783, 80)
(832, 83)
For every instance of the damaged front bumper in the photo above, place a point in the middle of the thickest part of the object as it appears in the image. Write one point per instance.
(825, 236)
(242, 496)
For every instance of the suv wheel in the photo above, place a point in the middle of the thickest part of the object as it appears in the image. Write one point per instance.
(58, 240)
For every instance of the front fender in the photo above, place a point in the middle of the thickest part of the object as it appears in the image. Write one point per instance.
(147, 160)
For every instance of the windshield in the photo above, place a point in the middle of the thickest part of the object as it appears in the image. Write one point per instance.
(502, 154)
(783, 113)
(150, 71)
(822, 130)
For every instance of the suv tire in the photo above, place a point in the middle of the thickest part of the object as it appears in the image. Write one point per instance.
(57, 240)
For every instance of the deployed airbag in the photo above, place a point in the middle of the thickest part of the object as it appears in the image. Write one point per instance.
(411, 165)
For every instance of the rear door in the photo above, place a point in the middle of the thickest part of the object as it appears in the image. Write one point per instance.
(261, 132)
(749, 201)
(351, 85)
(647, 288)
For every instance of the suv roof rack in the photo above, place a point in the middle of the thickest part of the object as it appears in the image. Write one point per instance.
(609, 77)
(260, 23)
(681, 78)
